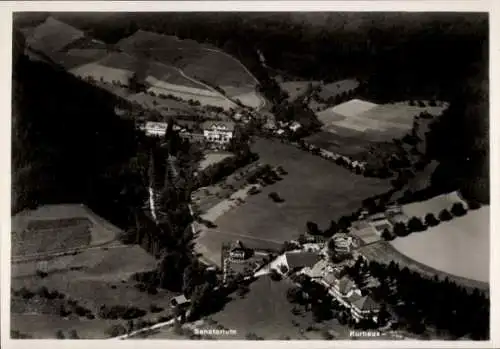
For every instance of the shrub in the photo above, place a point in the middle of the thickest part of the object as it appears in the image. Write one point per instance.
(387, 235)
(41, 274)
(116, 330)
(458, 209)
(275, 197)
(43, 292)
(60, 334)
(445, 215)
(73, 334)
(252, 336)
(474, 205)
(155, 309)
(415, 225)
(63, 312)
(400, 229)
(283, 269)
(430, 220)
(274, 275)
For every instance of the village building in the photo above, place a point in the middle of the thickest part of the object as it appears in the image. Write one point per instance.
(237, 251)
(235, 261)
(153, 128)
(179, 301)
(218, 133)
(343, 243)
(295, 126)
(297, 260)
(343, 289)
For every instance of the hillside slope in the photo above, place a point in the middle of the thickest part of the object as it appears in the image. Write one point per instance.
(67, 143)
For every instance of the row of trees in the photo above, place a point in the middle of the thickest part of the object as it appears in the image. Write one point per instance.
(421, 302)
(415, 224)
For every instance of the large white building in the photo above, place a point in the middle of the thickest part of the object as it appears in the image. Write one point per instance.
(157, 129)
(218, 132)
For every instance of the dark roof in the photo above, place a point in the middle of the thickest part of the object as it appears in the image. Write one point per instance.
(345, 284)
(301, 259)
(229, 124)
(237, 245)
(366, 304)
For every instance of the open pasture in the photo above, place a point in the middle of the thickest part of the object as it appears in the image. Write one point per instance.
(296, 88)
(103, 73)
(93, 278)
(59, 237)
(377, 122)
(337, 88)
(77, 57)
(313, 190)
(171, 75)
(52, 35)
(434, 205)
(266, 312)
(52, 228)
(165, 106)
(217, 68)
(198, 61)
(251, 99)
(346, 143)
(212, 158)
(459, 247)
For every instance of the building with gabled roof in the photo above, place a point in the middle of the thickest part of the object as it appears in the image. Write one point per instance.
(299, 260)
(364, 308)
(343, 289)
(218, 133)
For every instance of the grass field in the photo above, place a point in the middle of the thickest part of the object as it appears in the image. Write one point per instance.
(297, 88)
(57, 228)
(266, 312)
(199, 61)
(347, 143)
(351, 127)
(458, 247)
(379, 122)
(338, 87)
(164, 106)
(314, 190)
(434, 205)
(213, 158)
(93, 278)
(53, 35)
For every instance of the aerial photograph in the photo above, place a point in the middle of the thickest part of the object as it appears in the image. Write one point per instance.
(250, 176)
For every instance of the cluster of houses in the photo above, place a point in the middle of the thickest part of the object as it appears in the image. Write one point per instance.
(217, 134)
(282, 127)
(377, 223)
(341, 287)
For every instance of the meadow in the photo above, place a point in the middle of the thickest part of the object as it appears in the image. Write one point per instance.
(313, 190)
(92, 278)
(266, 312)
(459, 247)
(337, 88)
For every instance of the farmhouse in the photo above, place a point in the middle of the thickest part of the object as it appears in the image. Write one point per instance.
(343, 243)
(294, 260)
(237, 261)
(344, 290)
(295, 126)
(237, 251)
(179, 301)
(218, 133)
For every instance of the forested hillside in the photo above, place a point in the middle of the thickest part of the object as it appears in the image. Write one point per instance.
(67, 143)
(398, 55)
